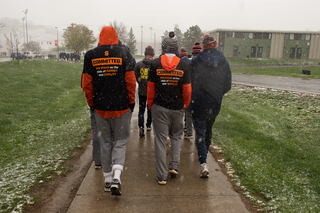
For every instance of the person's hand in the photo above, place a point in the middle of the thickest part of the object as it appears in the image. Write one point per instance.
(92, 108)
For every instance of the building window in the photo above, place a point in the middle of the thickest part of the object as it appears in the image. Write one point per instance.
(266, 35)
(289, 36)
(239, 35)
(257, 35)
(305, 37)
(297, 36)
(228, 34)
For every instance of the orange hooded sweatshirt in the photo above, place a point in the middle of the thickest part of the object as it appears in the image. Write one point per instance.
(108, 75)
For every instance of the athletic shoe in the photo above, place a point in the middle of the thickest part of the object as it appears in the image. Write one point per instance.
(204, 171)
(188, 136)
(185, 129)
(107, 186)
(173, 173)
(162, 182)
(141, 132)
(149, 128)
(97, 167)
(115, 187)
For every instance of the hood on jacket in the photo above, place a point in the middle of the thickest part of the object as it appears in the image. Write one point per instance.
(169, 66)
(147, 60)
(211, 57)
(108, 36)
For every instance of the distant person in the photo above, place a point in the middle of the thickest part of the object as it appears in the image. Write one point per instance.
(96, 153)
(196, 49)
(169, 93)
(211, 80)
(141, 70)
(188, 117)
(109, 84)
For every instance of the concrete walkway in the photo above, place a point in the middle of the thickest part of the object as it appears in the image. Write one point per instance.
(141, 193)
(303, 85)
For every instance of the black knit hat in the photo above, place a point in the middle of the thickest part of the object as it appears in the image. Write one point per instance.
(149, 51)
(170, 43)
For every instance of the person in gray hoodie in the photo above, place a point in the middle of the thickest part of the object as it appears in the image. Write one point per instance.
(142, 71)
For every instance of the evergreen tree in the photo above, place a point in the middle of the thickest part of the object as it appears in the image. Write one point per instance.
(132, 42)
(191, 36)
(178, 34)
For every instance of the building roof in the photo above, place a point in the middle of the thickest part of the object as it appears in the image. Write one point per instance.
(264, 31)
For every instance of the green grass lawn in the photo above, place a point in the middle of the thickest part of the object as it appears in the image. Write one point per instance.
(43, 118)
(271, 140)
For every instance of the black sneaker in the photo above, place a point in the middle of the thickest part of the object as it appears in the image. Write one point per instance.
(107, 186)
(141, 132)
(115, 187)
(173, 172)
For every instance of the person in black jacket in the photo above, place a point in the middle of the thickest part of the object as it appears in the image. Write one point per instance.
(109, 84)
(141, 71)
(211, 76)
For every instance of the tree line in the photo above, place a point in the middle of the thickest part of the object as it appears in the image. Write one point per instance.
(79, 38)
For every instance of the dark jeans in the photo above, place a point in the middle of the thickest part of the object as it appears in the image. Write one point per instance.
(95, 140)
(203, 129)
(142, 107)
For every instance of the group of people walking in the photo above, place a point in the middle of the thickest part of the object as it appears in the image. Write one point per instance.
(171, 87)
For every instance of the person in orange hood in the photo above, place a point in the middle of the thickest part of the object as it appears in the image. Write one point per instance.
(169, 94)
(109, 84)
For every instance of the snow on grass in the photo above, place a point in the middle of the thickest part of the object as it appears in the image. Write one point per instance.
(270, 139)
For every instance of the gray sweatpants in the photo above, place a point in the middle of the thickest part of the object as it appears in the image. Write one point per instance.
(166, 122)
(113, 134)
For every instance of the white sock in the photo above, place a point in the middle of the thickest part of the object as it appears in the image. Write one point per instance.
(107, 177)
(117, 174)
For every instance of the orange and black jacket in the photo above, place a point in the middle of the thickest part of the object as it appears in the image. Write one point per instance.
(169, 83)
(108, 79)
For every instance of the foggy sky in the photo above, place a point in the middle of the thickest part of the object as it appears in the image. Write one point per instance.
(271, 15)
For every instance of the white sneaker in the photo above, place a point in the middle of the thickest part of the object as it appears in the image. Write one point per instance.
(204, 171)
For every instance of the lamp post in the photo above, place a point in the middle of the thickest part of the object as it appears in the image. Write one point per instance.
(24, 37)
(25, 13)
(57, 43)
(141, 38)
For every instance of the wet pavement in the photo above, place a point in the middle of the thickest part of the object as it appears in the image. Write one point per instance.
(141, 192)
(304, 85)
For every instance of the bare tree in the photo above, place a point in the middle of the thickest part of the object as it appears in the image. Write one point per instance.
(1, 25)
(13, 43)
(32, 46)
(121, 31)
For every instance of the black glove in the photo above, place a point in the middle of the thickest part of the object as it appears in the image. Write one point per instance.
(92, 108)
(132, 106)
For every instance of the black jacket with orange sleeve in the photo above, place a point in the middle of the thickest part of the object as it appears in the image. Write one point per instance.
(108, 79)
(169, 83)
